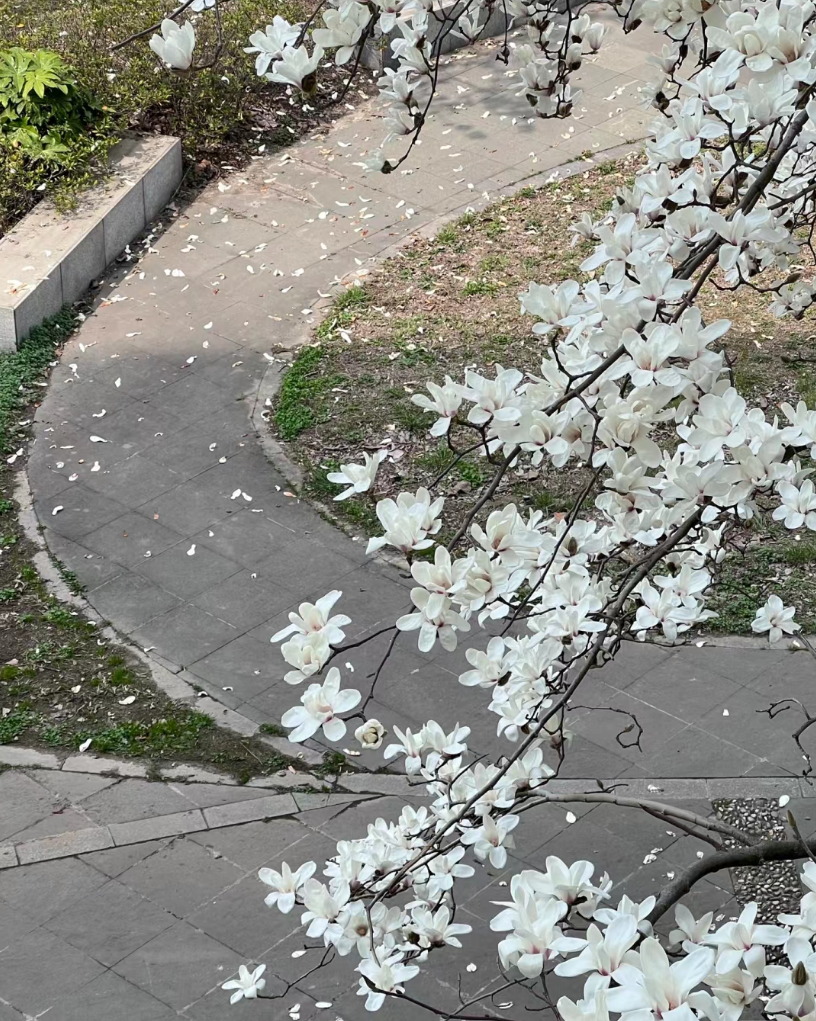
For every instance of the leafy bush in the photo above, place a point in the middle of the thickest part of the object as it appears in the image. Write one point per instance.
(51, 131)
(41, 105)
(203, 108)
(130, 88)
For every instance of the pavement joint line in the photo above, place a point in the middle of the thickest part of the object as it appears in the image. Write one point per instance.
(282, 806)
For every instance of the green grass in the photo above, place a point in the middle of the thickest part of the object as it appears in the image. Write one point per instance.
(342, 313)
(799, 553)
(448, 235)
(779, 565)
(20, 370)
(164, 737)
(480, 287)
(493, 263)
(303, 392)
(13, 724)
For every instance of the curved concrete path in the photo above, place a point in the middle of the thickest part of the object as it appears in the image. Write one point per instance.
(190, 542)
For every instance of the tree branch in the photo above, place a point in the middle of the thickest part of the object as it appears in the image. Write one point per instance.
(740, 857)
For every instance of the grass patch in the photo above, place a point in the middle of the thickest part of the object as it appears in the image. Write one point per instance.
(21, 370)
(302, 398)
(480, 287)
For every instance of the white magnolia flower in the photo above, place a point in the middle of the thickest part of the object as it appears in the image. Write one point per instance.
(175, 45)
(381, 977)
(446, 402)
(411, 746)
(744, 940)
(358, 477)
(323, 909)
(536, 938)
(344, 27)
(313, 618)
(321, 704)
(308, 654)
(775, 618)
(604, 952)
(570, 884)
(248, 983)
(657, 987)
(434, 619)
(690, 931)
(639, 910)
(491, 840)
(370, 734)
(489, 666)
(445, 868)
(435, 928)
(297, 68)
(798, 505)
(588, 1009)
(794, 985)
(492, 398)
(269, 45)
(285, 884)
(408, 521)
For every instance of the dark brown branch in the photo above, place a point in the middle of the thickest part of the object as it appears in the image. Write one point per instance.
(760, 854)
(661, 808)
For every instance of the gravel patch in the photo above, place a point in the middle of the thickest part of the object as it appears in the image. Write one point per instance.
(774, 886)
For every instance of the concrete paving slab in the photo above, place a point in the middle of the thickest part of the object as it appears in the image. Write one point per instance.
(181, 877)
(178, 964)
(24, 803)
(110, 923)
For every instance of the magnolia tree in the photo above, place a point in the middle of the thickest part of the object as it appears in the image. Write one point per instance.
(637, 387)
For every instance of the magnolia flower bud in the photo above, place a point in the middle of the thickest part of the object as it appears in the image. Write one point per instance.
(370, 734)
(593, 37)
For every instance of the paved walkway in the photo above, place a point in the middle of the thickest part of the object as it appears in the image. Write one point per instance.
(193, 545)
(128, 900)
(141, 898)
(167, 372)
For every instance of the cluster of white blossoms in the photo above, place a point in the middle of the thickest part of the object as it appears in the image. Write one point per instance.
(637, 389)
(560, 922)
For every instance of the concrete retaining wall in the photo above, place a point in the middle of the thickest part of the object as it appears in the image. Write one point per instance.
(49, 258)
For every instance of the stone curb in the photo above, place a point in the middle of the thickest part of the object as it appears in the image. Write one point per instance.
(264, 809)
(31, 758)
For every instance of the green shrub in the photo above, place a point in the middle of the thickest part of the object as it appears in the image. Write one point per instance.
(203, 108)
(53, 137)
(41, 106)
